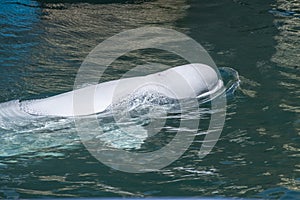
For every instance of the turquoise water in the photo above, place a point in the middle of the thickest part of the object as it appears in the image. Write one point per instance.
(43, 43)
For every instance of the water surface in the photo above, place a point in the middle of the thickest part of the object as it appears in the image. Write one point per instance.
(43, 43)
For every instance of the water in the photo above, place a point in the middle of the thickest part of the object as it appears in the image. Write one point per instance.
(42, 45)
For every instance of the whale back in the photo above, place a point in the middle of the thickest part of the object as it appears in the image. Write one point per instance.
(186, 81)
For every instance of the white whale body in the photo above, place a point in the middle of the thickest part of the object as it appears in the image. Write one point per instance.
(31, 125)
(186, 81)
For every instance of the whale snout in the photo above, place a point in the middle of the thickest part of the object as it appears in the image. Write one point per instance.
(202, 78)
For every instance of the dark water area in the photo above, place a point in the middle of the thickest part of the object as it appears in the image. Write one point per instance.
(43, 43)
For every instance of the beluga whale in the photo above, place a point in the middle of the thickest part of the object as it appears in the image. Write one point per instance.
(180, 82)
(56, 113)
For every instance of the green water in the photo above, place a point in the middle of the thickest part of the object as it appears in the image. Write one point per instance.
(42, 45)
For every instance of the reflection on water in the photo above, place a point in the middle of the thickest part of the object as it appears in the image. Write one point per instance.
(18, 34)
(287, 57)
(288, 52)
(287, 49)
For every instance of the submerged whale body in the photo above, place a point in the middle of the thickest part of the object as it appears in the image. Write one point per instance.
(182, 82)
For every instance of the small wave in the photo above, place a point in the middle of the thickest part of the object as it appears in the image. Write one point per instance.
(231, 80)
(284, 13)
(12, 116)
